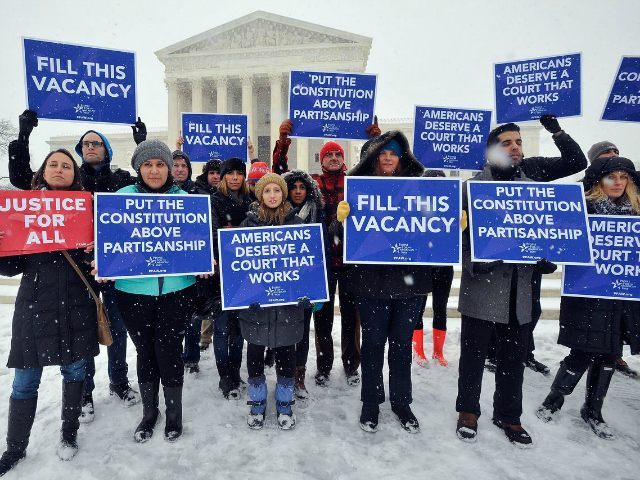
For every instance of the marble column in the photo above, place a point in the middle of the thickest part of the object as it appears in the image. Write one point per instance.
(247, 107)
(276, 105)
(173, 116)
(221, 94)
(197, 86)
(302, 154)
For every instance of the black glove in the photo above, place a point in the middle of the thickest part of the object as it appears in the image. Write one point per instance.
(544, 266)
(27, 121)
(139, 132)
(550, 123)
(304, 303)
(255, 308)
(485, 267)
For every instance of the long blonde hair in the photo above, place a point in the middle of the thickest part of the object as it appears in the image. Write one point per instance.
(274, 216)
(630, 193)
(224, 188)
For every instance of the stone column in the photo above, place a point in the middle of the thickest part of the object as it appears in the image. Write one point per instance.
(221, 94)
(247, 107)
(276, 105)
(197, 95)
(173, 115)
(302, 154)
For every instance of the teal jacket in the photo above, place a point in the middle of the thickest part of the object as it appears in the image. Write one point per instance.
(154, 285)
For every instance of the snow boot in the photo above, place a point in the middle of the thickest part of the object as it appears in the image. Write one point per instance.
(88, 412)
(369, 417)
(227, 385)
(21, 415)
(322, 379)
(284, 401)
(537, 366)
(624, 368)
(125, 393)
(517, 435)
(418, 348)
(467, 426)
(598, 381)
(71, 410)
(563, 384)
(192, 368)
(299, 389)
(173, 413)
(257, 401)
(438, 345)
(150, 412)
(406, 418)
(353, 378)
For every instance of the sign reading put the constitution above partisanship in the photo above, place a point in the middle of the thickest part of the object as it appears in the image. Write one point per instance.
(214, 136)
(528, 89)
(523, 222)
(402, 221)
(624, 100)
(331, 104)
(74, 82)
(616, 251)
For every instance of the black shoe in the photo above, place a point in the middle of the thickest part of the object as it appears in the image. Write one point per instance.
(490, 365)
(173, 413)
(353, 378)
(10, 460)
(88, 412)
(150, 412)
(538, 367)
(625, 369)
(406, 418)
(467, 427)
(228, 387)
(21, 415)
(192, 368)
(596, 423)
(515, 433)
(125, 393)
(551, 405)
(369, 417)
(322, 379)
(72, 396)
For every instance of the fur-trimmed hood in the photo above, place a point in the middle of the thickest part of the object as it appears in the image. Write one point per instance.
(314, 195)
(411, 167)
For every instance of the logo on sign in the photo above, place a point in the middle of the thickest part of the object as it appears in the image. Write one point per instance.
(539, 110)
(530, 248)
(623, 285)
(84, 109)
(156, 261)
(331, 128)
(275, 291)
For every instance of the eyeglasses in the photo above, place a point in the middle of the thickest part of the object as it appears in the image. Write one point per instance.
(92, 144)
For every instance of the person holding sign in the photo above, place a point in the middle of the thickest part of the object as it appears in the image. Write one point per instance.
(279, 328)
(389, 298)
(54, 323)
(594, 328)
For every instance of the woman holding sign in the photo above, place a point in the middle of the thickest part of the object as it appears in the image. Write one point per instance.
(54, 323)
(594, 328)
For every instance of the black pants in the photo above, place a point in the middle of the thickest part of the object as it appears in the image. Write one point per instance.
(302, 347)
(323, 323)
(285, 360)
(511, 351)
(580, 361)
(441, 279)
(156, 325)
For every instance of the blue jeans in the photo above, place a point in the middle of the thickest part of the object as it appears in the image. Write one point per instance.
(191, 353)
(227, 341)
(27, 380)
(117, 351)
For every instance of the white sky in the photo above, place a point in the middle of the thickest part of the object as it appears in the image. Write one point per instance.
(424, 51)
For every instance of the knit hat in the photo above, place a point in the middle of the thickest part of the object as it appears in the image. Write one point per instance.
(233, 164)
(180, 154)
(107, 146)
(211, 166)
(598, 148)
(271, 178)
(394, 146)
(150, 149)
(492, 139)
(257, 171)
(331, 147)
(603, 166)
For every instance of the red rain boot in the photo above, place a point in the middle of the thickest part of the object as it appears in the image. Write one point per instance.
(418, 348)
(438, 343)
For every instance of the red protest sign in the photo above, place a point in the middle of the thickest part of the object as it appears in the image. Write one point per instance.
(44, 221)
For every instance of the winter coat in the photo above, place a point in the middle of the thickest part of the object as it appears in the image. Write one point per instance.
(547, 169)
(272, 326)
(388, 281)
(312, 211)
(54, 321)
(154, 285)
(227, 210)
(201, 186)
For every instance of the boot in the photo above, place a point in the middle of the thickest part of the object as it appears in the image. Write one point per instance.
(150, 412)
(257, 401)
(71, 409)
(418, 348)
(517, 435)
(598, 381)
(438, 344)
(467, 426)
(88, 412)
(299, 389)
(369, 417)
(125, 393)
(406, 418)
(284, 402)
(226, 384)
(624, 368)
(238, 383)
(563, 384)
(173, 413)
(537, 366)
(21, 415)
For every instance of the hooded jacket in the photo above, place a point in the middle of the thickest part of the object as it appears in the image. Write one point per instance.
(188, 185)
(312, 211)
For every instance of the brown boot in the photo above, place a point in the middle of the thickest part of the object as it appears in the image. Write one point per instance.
(467, 426)
(299, 389)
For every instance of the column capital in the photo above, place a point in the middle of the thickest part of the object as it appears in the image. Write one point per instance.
(221, 80)
(275, 77)
(170, 83)
(197, 82)
(247, 79)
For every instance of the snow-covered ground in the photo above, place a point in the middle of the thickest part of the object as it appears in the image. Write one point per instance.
(327, 442)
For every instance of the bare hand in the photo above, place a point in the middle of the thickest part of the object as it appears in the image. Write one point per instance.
(179, 141)
(250, 148)
(89, 247)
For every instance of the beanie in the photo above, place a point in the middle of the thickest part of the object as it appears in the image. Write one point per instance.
(331, 147)
(603, 166)
(233, 164)
(598, 148)
(394, 146)
(211, 166)
(150, 149)
(257, 171)
(271, 178)
(492, 139)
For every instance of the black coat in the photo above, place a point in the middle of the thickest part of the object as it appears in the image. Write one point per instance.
(54, 322)
(227, 211)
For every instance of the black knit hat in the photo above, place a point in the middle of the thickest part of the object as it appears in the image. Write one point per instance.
(233, 164)
(601, 167)
(211, 166)
(492, 139)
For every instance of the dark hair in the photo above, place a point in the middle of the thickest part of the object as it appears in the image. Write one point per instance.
(38, 182)
(492, 139)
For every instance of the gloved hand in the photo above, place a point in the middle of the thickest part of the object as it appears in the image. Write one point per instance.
(485, 267)
(139, 131)
(373, 130)
(544, 266)
(464, 222)
(304, 303)
(550, 123)
(317, 306)
(286, 127)
(27, 121)
(343, 211)
(255, 308)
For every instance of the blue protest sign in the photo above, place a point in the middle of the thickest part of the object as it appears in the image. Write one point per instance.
(523, 222)
(331, 104)
(528, 89)
(452, 138)
(214, 136)
(624, 100)
(402, 221)
(73, 82)
(272, 265)
(138, 235)
(616, 251)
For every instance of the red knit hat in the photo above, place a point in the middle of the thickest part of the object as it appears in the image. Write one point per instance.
(257, 171)
(330, 147)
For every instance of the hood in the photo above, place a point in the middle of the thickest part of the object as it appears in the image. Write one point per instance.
(410, 165)
(180, 153)
(313, 190)
(109, 154)
(603, 166)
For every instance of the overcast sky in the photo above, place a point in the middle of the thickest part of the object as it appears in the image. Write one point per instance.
(424, 51)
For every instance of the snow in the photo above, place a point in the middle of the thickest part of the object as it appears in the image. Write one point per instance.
(327, 442)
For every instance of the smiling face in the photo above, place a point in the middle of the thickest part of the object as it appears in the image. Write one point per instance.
(59, 172)
(388, 162)
(511, 144)
(614, 184)
(93, 149)
(180, 170)
(272, 195)
(333, 161)
(154, 173)
(298, 192)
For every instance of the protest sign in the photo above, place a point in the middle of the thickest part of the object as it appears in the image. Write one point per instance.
(616, 251)
(528, 89)
(272, 265)
(214, 136)
(624, 100)
(73, 82)
(452, 138)
(44, 221)
(402, 221)
(140, 235)
(523, 222)
(331, 104)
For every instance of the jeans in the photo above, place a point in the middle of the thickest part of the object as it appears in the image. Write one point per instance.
(227, 341)
(27, 380)
(191, 352)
